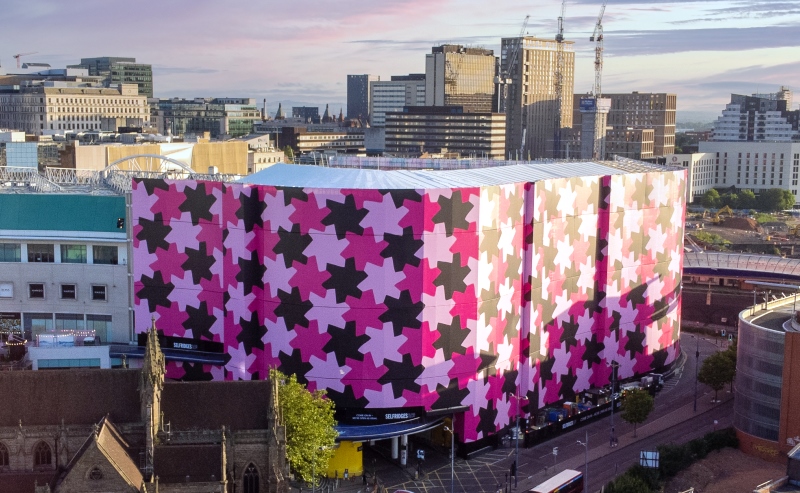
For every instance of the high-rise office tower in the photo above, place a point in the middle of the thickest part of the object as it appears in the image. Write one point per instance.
(121, 70)
(532, 115)
(393, 95)
(358, 95)
(459, 76)
(631, 118)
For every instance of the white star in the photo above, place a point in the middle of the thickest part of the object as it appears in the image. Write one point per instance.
(566, 200)
(657, 239)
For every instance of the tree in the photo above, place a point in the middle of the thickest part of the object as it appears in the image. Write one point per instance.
(717, 370)
(710, 199)
(773, 200)
(289, 153)
(730, 199)
(788, 199)
(628, 484)
(636, 406)
(310, 426)
(747, 199)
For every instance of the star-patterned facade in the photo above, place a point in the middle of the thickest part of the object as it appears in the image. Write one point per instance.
(428, 298)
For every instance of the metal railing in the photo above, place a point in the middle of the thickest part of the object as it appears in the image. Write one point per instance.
(29, 177)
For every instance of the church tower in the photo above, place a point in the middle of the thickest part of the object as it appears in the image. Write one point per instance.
(150, 386)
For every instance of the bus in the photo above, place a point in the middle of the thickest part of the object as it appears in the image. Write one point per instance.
(567, 481)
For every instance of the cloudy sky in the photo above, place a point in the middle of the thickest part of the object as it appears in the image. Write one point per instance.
(302, 50)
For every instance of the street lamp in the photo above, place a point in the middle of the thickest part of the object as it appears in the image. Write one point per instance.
(516, 441)
(696, 369)
(314, 471)
(586, 462)
(614, 366)
(452, 452)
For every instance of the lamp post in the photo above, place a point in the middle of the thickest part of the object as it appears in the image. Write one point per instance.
(696, 370)
(516, 440)
(452, 452)
(586, 462)
(314, 471)
(614, 366)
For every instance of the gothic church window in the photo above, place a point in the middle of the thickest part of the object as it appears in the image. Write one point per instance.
(250, 482)
(42, 456)
(3, 455)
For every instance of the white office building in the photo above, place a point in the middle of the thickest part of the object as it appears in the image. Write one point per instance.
(392, 95)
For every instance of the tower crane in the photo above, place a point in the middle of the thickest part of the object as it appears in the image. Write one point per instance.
(504, 76)
(19, 55)
(598, 150)
(597, 38)
(559, 81)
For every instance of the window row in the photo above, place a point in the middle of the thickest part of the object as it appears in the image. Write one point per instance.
(36, 290)
(70, 254)
(48, 325)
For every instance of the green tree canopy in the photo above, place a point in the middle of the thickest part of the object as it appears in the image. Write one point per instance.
(747, 199)
(730, 199)
(636, 406)
(717, 370)
(773, 199)
(710, 199)
(289, 153)
(310, 426)
(628, 484)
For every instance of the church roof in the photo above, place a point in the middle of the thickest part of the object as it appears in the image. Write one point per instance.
(172, 463)
(112, 446)
(77, 396)
(241, 405)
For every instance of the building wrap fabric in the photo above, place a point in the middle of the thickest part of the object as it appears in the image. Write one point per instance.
(428, 298)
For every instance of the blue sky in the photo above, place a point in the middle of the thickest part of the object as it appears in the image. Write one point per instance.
(302, 50)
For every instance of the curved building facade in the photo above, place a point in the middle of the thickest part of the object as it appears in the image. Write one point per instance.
(412, 293)
(767, 412)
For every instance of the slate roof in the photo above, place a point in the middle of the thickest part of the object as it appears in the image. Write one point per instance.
(172, 463)
(239, 405)
(79, 397)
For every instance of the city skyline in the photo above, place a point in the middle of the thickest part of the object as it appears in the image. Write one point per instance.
(302, 51)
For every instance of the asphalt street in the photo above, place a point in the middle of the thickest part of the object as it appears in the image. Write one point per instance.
(672, 421)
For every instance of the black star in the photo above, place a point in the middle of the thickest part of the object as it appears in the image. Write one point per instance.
(345, 218)
(400, 196)
(402, 249)
(293, 308)
(194, 372)
(402, 312)
(451, 276)
(151, 184)
(487, 419)
(402, 376)
(488, 360)
(200, 321)
(346, 399)
(252, 333)
(453, 212)
(602, 244)
(568, 386)
(293, 364)
(344, 280)
(659, 359)
(593, 349)
(292, 244)
(451, 338)
(568, 336)
(344, 343)
(251, 272)
(154, 233)
(509, 382)
(155, 291)
(450, 396)
(198, 203)
(199, 262)
(293, 193)
(250, 209)
(546, 369)
(636, 295)
(635, 342)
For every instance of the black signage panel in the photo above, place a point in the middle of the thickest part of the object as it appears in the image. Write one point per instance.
(171, 342)
(36, 290)
(379, 416)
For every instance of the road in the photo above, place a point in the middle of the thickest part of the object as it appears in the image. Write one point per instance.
(673, 414)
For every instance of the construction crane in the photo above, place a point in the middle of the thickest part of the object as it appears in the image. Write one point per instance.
(559, 81)
(597, 38)
(503, 78)
(19, 55)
